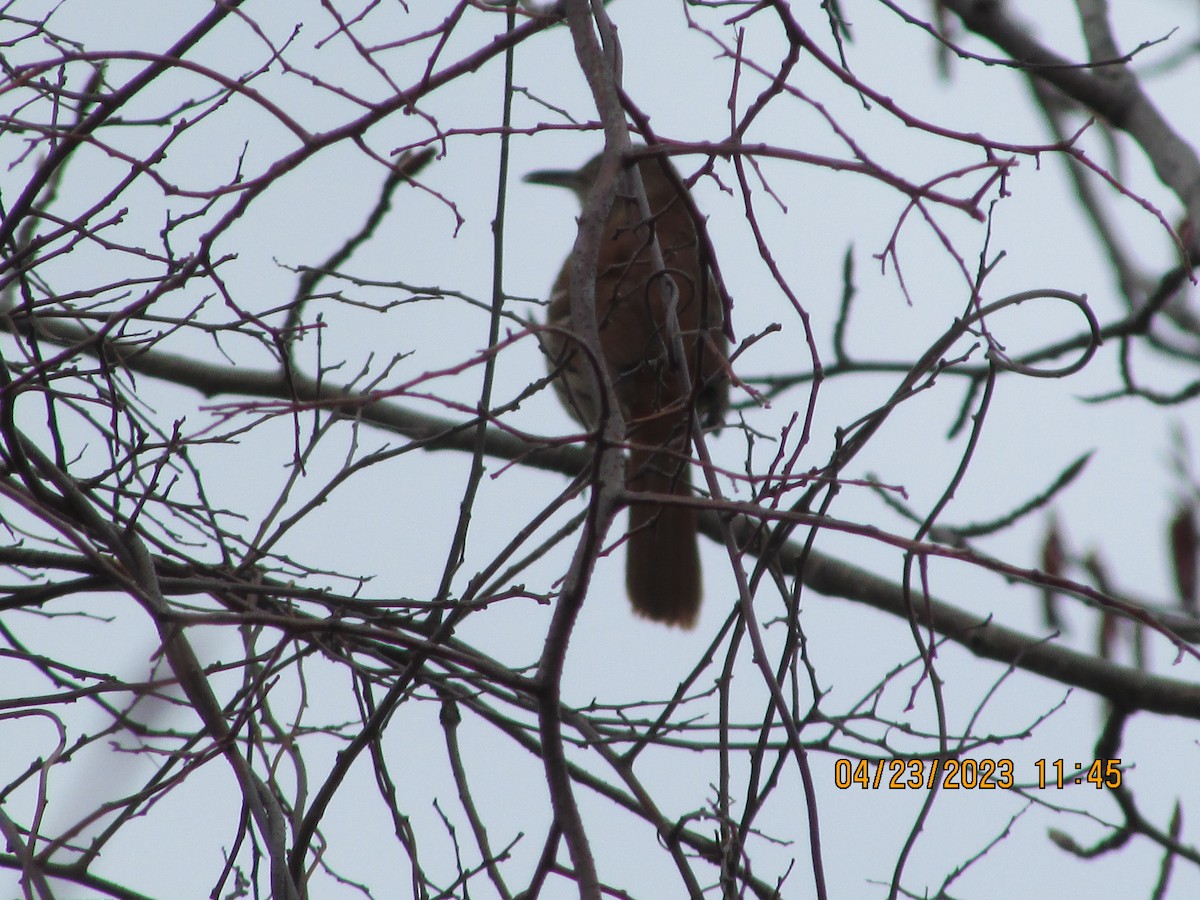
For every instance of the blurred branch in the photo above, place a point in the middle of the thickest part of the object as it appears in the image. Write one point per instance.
(1111, 91)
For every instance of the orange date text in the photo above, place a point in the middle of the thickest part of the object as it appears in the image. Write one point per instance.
(922, 774)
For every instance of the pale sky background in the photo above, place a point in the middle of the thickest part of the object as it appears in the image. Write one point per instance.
(396, 523)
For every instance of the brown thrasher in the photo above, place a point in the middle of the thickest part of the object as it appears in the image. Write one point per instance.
(663, 566)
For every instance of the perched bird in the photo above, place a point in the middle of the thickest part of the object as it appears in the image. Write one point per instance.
(663, 564)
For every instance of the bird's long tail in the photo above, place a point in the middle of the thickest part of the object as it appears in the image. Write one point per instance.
(662, 570)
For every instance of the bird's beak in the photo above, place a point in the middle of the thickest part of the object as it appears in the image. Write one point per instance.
(567, 178)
